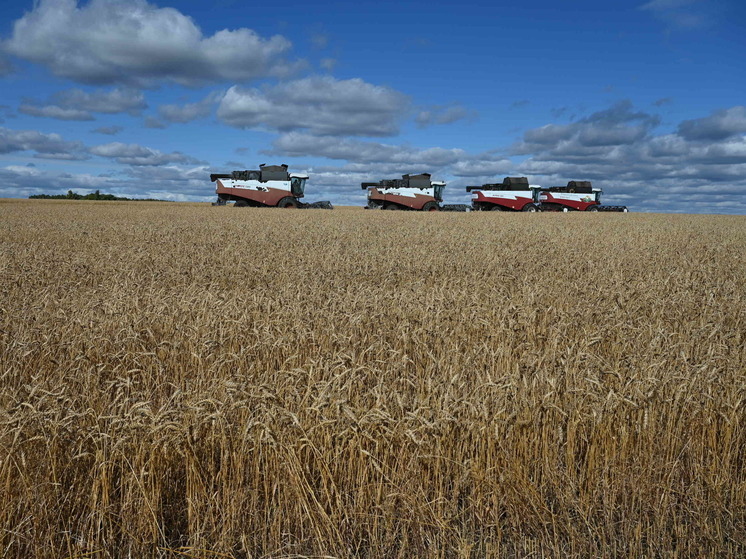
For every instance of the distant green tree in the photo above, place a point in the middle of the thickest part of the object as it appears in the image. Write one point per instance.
(92, 196)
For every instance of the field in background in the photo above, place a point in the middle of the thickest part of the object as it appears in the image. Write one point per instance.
(179, 380)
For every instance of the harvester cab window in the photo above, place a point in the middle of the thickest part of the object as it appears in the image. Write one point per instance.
(297, 186)
(439, 193)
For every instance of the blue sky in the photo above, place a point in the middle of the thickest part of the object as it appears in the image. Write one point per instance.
(137, 98)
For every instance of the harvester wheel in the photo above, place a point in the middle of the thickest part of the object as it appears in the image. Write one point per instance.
(430, 207)
(240, 204)
(288, 202)
(592, 209)
(391, 207)
(496, 208)
(530, 208)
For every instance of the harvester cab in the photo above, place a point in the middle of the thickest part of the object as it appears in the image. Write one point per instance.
(576, 196)
(411, 192)
(514, 194)
(270, 186)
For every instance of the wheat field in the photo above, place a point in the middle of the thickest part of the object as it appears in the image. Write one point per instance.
(180, 380)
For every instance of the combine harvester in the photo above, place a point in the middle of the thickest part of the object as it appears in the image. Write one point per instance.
(411, 192)
(269, 187)
(513, 195)
(516, 194)
(576, 196)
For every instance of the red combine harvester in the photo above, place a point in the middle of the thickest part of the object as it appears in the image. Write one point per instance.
(411, 192)
(576, 196)
(271, 186)
(513, 195)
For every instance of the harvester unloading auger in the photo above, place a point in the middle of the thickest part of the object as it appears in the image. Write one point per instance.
(411, 192)
(271, 186)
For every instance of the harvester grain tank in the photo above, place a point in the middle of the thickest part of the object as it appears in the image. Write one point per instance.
(411, 192)
(514, 194)
(270, 186)
(576, 196)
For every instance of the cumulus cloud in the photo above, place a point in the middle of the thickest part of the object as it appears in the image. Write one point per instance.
(482, 166)
(189, 111)
(184, 113)
(318, 104)
(76, 104)
(617, 126)
(720, 125)
(442, 114)
(137, 155)
(135, 42)
(44, 146)
(297, 144)
(53, 111)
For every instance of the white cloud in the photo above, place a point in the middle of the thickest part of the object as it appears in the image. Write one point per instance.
(442, 114)
(189, 111)
(44, 145)
(299, 144)
(53, 111)
(137, 155)
(134, 42)
(719, 125)
(76, 104)
(617, 126)
(319, 104)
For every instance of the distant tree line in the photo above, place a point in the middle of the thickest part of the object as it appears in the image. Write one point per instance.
(93, 196)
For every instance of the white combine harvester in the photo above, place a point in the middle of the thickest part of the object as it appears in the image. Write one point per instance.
(271, 186)
(411, 192)
(579, 196)
(514, 194)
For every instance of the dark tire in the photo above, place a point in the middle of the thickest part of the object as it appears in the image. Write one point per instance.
(241, 204)
(530, 208)
(431, 207)
(592, 209)
(496, 208)
(288, 202)
(391, 207)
